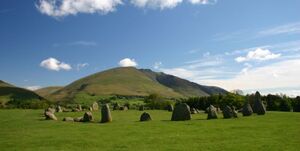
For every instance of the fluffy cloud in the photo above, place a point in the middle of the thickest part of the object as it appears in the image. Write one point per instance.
(127, 62)
(33, 88)
(55, 65)
(203, 2)
(162, 4)
(59, 8)
(258, 54)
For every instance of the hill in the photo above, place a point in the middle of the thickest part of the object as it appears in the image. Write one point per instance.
(16, 95)
(129, 81)
(47, 91)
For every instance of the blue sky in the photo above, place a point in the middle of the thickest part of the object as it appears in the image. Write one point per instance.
(249, 45)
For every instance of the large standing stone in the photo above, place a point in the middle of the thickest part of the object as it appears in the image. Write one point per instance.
(68, 119)
(50, 116)
(170, 108)
(95, 106)
(87, 117)
(247, 110)
(212, 112)
(105, 114)
(227, 112)
(181, 112)
(258, 106)
(145, 117)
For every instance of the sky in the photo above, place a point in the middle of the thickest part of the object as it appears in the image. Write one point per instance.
(234, 44)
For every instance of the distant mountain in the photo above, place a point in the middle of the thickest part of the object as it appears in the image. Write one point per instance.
(47, 91)
(129, 81)
(10, 92)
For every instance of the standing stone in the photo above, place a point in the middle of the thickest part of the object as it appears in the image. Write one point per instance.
(50, 116)
(68, 119)
(49, 109)
(227, 112)
(105, 114)
(87, 117)
(123, 108)
(91, 109)
(58, 109)
(95, 106)
(212, 112)
(145, 117)
(79, 107)
(181, 112)
(234, 112)
(247, 110)
(258, 106)
(170, 108)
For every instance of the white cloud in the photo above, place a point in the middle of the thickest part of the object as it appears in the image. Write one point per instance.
(60, 8)
(180, 72)
(203, 2)
(258, 54)
(83, 43)
(162, 4)
(55, 65)
(291, 28)
(127, 62)
(277, 75)
(82, 65)
(33, 88)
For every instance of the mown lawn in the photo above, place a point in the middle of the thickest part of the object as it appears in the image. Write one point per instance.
(26, 130)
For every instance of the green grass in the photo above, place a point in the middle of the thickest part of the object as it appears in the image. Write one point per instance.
(26, 130)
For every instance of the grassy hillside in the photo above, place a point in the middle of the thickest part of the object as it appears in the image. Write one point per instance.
(182, 86)
(17, 95)
(26, 130)
(121, 81)
(130, 81)
(47, 91)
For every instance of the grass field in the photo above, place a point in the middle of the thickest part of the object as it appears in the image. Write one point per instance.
(26, 130)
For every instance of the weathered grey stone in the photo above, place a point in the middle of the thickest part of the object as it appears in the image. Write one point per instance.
(258, 106)
(78, 119)
(58, 109)
(68, 119)
(49, 109)
(123, 108)
(212, 112)
(105, 114)
(247, 110)
(145, 117)
(234, 112)
(181, 112)
(193, 111)
(90, 109)
(79, 107)
(95, 106)
(50, 116)
(87, 117)
(227, 112)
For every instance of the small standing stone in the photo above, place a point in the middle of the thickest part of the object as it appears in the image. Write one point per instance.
(95, 106)
(247, 110)
(50, 116)
(227, 112)
(58, 109)
(68, 119)
(87, 117)
(145, 117)
(78, 119)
